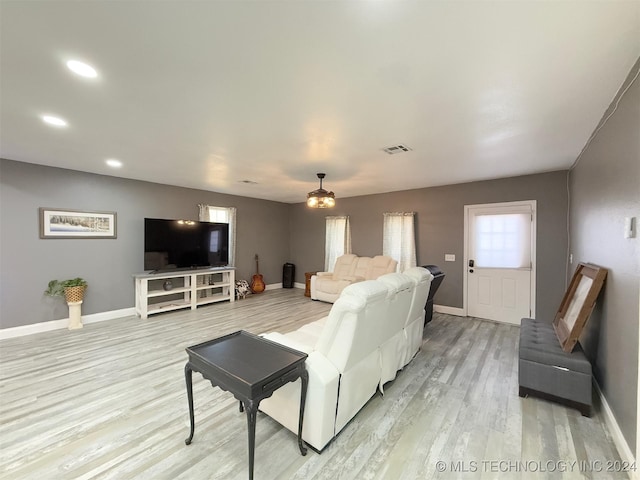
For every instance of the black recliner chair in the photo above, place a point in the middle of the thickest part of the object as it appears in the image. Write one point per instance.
(438, 276)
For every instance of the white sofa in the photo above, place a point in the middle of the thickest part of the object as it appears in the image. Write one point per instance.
(370, 333)
(349, 268)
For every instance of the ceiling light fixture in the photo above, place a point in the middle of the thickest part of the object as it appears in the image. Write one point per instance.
(82, 69)
(320, 198)
(55, 121)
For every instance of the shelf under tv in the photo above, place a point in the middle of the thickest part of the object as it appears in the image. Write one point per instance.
(189, 289)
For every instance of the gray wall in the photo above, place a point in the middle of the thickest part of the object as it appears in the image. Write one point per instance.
(27, 262)
(277, 232)
(604, 188)
(440, 230)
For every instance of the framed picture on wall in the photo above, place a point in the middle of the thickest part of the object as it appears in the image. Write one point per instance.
(59, 223)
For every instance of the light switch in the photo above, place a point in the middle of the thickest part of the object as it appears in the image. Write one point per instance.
(449, 257)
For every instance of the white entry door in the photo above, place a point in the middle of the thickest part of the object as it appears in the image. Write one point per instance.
(500, 261)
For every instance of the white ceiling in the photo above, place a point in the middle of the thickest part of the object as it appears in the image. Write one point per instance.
(208, 94)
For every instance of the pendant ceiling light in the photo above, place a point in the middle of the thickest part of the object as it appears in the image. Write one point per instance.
(320, 198)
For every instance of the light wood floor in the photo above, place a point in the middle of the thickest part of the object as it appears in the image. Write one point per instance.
(109, 402)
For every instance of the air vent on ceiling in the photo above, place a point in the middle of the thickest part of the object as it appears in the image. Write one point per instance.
(248, 182)
(396, 149)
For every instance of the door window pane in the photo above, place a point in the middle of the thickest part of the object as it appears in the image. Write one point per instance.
(503, 241)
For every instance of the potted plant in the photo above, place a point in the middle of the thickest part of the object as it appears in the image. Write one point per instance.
(73, 291)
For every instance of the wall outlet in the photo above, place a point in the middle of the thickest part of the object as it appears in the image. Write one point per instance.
(570, 258)
(449, 257)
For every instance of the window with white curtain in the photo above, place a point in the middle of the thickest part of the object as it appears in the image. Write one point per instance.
(209, 213)
(399, 240)
(502, 241)
(337, 240)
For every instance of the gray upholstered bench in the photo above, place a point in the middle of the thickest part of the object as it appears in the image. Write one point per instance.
(546, 371)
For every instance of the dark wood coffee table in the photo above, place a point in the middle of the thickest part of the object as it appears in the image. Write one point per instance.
(251, 368)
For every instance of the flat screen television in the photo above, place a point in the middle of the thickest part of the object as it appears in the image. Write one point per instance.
(184, 244)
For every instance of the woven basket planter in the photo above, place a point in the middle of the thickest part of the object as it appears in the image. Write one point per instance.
(74, 294)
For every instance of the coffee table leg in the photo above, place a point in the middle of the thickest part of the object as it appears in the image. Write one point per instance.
(187, 377)
(252, 413)
(304, 379)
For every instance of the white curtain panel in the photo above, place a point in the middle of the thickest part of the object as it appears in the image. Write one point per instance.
(399, 240)
(337, 240)
(209, 213)
(203, 213)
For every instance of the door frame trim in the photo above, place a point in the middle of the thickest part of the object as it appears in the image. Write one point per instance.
(534, 221)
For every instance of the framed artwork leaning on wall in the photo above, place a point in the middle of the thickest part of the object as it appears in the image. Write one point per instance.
(577, 304)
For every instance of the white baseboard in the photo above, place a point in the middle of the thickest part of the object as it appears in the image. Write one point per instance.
(614, 429)
(102, 316)
(63, 323)
(275, 286)
(459, 312)
(23, 330)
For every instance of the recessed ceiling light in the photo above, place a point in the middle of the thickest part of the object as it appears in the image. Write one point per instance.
(55, 121)
(113, 163)
(82, 69)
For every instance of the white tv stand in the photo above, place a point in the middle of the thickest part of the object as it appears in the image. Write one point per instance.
(187, 289)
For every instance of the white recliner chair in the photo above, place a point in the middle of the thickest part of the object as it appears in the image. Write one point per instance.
(327, 286)
(393, 345)
(343, 365)
(414, 326)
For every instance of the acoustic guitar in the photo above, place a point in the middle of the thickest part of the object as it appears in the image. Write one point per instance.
(257, 283)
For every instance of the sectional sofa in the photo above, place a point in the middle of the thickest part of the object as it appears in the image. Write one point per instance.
(349, 268)
(373, 330)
